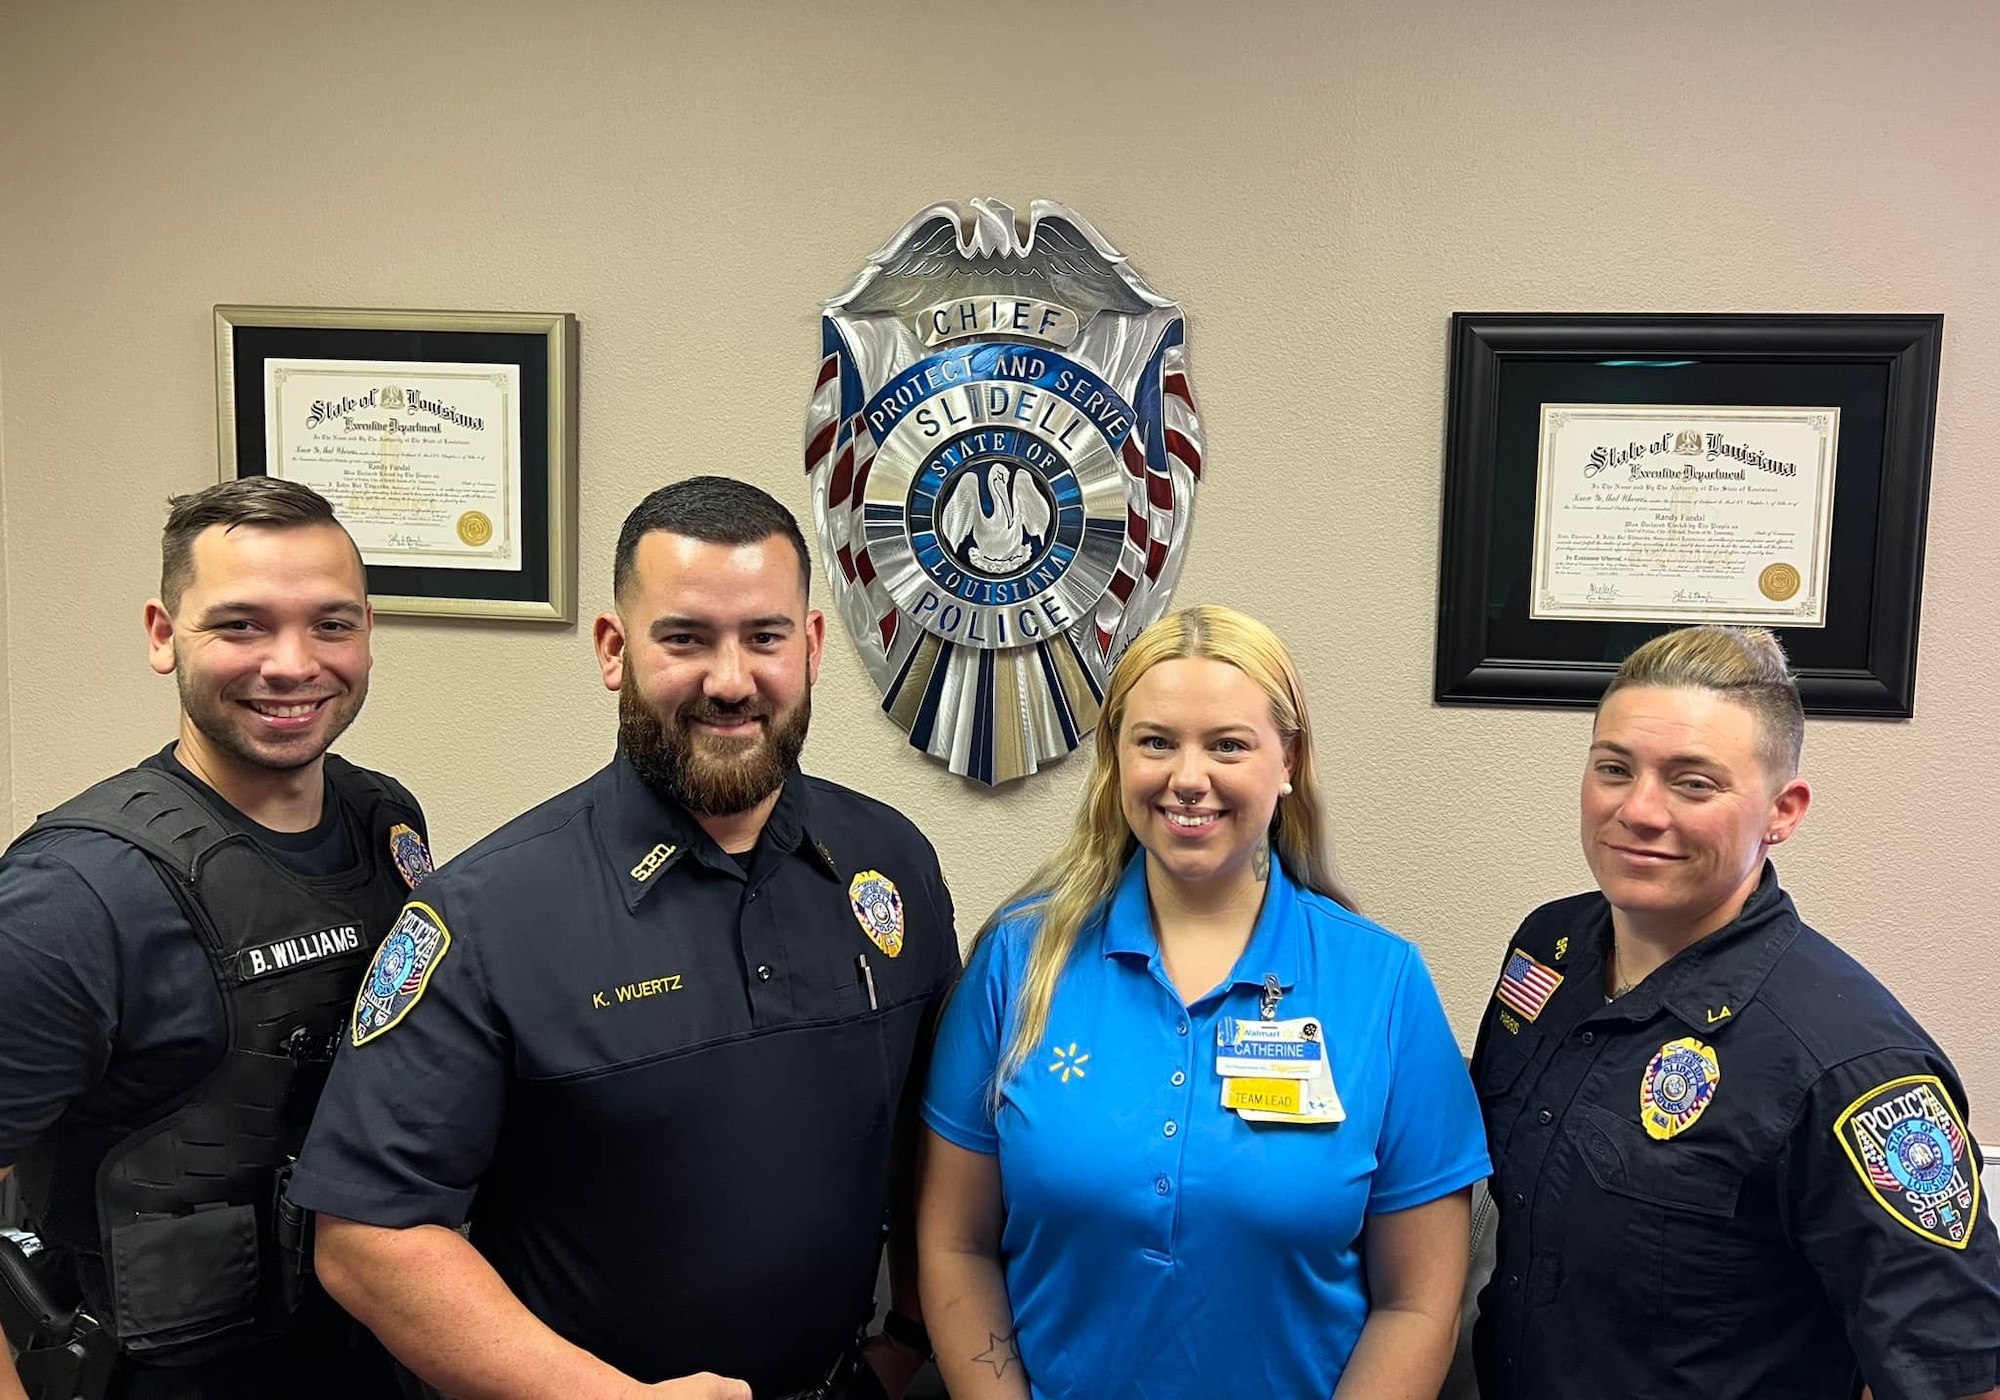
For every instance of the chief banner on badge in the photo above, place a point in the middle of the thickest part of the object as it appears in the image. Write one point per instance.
(1004, 456)
(420, 460)
(1678, 513)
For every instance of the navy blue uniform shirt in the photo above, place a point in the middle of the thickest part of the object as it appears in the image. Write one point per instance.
(1751, 1176)
(662, 1090)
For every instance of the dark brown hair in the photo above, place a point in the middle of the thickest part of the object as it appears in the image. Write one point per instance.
(248, 500)
(714, 510)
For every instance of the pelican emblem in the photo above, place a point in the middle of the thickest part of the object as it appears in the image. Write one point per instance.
(1004, 455)
(999, 537)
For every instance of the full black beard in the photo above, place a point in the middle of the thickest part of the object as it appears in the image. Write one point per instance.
(710, 777)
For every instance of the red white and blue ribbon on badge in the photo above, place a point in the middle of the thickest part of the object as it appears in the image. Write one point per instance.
(1677, 1087)
(1004, 456)
(1527, 985)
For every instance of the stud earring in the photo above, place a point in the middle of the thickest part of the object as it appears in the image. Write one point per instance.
(1284, 789)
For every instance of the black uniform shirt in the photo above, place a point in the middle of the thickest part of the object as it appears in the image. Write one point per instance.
(1804, 1212)
(670, 1085)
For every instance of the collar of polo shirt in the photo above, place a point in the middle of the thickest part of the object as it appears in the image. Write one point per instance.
(1273, 947)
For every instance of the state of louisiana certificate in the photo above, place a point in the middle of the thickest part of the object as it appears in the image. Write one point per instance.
(421, 460)
(1678, 513)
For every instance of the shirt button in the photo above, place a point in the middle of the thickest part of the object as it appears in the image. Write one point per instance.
(1181, 1029)
(1513, 1280)
(1590, 1037)
(1162, 1186)
(763, 972)
(1172, 1127)
(1519, 1199)
(1179, 1079)
(1545, 1116)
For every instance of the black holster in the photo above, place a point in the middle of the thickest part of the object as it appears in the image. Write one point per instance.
(64, 1353)
(292, 1237)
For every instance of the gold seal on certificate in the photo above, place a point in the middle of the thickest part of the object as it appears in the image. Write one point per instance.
(1684, 513)
(1779, 582)
(420, 459)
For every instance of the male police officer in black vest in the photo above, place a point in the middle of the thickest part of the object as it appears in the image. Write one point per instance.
(179, 948)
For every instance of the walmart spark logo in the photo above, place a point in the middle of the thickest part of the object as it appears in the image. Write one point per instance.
(1069, 1063)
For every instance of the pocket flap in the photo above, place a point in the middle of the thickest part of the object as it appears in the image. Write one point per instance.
(185, 1278)
(1623, 1159)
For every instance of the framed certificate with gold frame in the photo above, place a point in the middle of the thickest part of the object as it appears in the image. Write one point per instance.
(446, 441)
(1608, 477)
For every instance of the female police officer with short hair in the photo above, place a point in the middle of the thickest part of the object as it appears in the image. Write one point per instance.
(1727, 1162)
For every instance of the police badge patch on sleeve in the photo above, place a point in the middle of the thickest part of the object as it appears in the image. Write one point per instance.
(1910, 1149)
(412, 856)
(402, 968)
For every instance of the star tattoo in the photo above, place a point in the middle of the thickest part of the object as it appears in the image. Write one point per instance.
(996, 1358)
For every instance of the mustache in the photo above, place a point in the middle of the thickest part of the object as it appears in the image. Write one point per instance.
(707, 711)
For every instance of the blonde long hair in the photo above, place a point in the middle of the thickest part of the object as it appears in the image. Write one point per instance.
(1072, 885)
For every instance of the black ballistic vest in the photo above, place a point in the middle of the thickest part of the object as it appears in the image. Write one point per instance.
(175, 1230)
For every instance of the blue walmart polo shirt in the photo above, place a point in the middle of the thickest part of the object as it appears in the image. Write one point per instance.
(1157, 1245)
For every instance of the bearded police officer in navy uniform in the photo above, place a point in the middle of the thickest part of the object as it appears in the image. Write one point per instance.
(658, 1038)
(1727, 1162)
(178, 947)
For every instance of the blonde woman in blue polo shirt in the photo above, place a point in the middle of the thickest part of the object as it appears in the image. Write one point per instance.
(1197, 1128)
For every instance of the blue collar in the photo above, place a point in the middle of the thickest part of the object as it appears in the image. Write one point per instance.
(1273, 946)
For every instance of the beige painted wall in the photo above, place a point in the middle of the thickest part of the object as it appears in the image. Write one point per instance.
(1322, 184)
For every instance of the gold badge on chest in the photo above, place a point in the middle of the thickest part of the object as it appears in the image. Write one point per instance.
(878, 909)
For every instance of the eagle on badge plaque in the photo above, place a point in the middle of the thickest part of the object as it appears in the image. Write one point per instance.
(1004, 455)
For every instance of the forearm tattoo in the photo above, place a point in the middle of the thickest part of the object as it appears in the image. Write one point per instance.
(1001, 1352)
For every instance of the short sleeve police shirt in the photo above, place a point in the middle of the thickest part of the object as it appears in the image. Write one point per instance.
(1751, 1176)
(661, 1089)
(1157, 1244)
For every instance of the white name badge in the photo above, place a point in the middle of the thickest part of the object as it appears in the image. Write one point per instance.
(1269, 1049)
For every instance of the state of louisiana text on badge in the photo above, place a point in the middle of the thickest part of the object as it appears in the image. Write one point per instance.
(1004, 455)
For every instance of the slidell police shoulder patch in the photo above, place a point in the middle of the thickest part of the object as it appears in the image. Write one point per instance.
(412, 856)
(879, 909)
(1910, 1149)
(402, 968)
(1677, 1088)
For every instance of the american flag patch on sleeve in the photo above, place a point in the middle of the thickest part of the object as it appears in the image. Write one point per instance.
(1527, 985)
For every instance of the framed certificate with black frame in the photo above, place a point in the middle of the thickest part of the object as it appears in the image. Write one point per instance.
(1609, 477)
(445, 440)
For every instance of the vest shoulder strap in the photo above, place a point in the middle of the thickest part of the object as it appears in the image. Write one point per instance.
(149, 809)
(365, 789)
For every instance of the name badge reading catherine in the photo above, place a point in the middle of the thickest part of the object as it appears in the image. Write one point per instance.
(1268, 1049)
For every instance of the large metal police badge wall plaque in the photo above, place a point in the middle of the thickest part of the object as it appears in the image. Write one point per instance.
(1004, 454)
